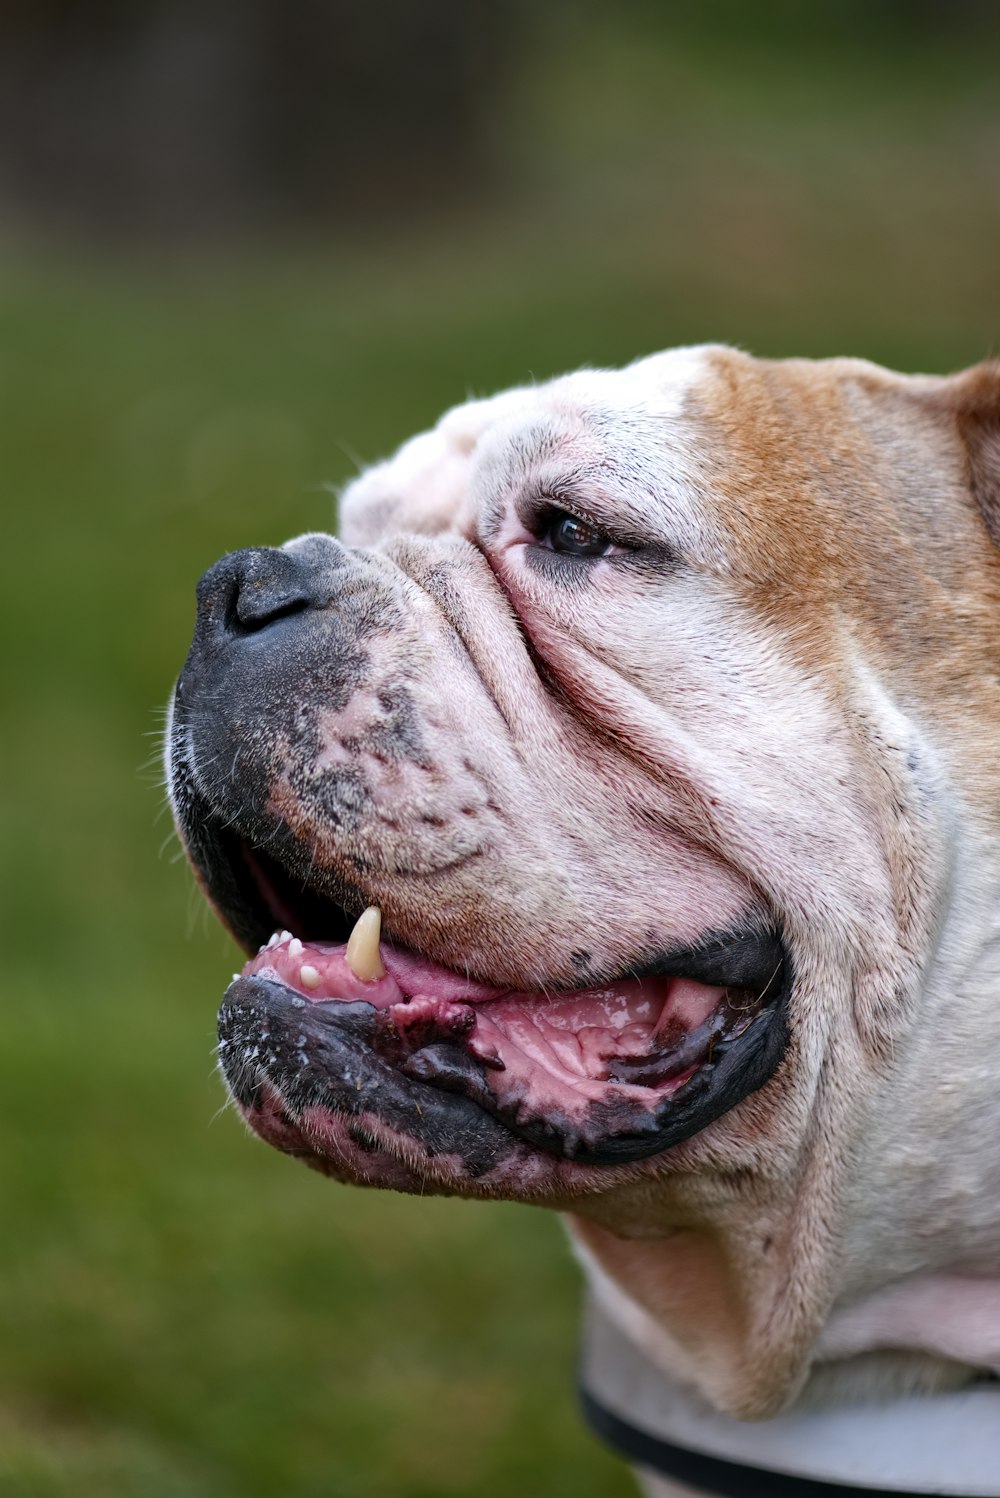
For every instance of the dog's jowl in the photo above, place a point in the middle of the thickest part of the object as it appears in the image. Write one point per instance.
(653, 717)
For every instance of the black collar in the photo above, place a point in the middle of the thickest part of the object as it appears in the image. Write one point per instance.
(714, 1476)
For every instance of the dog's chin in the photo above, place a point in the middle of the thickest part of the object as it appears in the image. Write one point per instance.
(423, 1079)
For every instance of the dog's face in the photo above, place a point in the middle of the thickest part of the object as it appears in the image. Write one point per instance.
(637, 702)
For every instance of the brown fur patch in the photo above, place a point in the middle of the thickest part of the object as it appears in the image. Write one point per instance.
(855, 498)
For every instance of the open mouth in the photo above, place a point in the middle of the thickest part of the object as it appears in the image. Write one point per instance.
(614, 1072)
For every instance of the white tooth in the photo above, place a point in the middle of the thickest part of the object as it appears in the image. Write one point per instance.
(274, 938)
(235, 976)
(295, 947)
(309, 975)
(285, 936)
(363, 956)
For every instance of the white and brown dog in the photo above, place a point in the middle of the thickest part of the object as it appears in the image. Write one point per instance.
(658, 712)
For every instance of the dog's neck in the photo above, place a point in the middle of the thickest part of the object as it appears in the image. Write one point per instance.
(924, 1195)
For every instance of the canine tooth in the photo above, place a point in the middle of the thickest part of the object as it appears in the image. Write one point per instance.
(295, 947)
(274, 938)
(309, 975)
(363, 956)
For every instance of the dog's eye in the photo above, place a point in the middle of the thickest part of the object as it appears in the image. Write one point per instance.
(574, 537)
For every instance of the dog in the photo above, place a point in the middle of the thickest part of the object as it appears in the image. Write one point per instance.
(612, 817)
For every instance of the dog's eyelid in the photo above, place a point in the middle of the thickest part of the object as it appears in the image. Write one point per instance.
(545, 510)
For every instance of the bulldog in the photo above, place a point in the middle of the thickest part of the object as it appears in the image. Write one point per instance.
(612, 818)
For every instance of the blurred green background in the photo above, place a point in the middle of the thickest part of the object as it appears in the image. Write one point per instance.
(183, 1311)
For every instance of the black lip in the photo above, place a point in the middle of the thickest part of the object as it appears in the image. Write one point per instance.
(339, 1055)
(234, 874)
(752, 957)
(327, 1055)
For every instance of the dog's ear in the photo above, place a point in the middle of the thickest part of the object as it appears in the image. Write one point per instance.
(974, 398)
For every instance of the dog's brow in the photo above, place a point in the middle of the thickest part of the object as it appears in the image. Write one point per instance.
(577, 463)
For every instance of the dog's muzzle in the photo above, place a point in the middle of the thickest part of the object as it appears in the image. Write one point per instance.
(425, 1061)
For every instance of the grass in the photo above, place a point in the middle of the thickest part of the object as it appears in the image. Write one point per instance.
(187, 1313)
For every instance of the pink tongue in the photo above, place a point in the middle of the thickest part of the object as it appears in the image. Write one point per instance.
(657, 1006)
(690, 1005)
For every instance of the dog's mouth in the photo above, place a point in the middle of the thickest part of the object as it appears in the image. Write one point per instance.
(325, 1042)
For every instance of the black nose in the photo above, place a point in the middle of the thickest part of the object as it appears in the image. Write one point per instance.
(247, 591)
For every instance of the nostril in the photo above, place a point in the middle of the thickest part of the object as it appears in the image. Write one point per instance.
(254, 606)
(248, 591)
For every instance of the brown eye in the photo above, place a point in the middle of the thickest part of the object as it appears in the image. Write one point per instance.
(574, 537)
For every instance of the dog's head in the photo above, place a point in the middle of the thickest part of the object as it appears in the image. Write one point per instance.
(639, 705)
